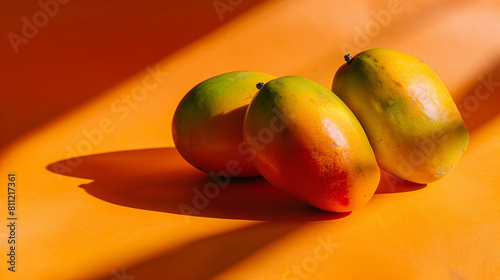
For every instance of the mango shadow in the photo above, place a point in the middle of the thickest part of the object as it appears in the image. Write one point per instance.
(392, 184)
(161, 180)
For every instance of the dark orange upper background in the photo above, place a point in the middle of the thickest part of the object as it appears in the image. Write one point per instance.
(88, 93)
(86, 48)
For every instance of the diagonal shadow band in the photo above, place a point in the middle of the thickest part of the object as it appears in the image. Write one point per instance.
(161, 180)
(208, 257)
(479, 104)
(90, 47)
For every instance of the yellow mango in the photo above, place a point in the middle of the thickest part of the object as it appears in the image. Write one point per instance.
(413, 125)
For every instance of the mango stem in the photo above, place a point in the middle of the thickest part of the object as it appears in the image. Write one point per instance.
(259, 85)
(348, 58)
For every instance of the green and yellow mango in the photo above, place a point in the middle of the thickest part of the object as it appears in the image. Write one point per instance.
(207, 124)
(412, 122)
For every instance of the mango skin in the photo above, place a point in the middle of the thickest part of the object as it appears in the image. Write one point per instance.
(410, 118)
(307, 143)
(207, 124)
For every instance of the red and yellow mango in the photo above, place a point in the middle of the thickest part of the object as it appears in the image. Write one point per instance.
(308, 143)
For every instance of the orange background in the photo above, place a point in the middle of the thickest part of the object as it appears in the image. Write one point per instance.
(99, 184)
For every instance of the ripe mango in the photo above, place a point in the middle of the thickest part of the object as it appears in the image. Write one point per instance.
(207, 124)
(306, 142)
(413, 125)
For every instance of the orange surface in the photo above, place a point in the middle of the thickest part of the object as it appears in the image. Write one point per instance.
(99, 185)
